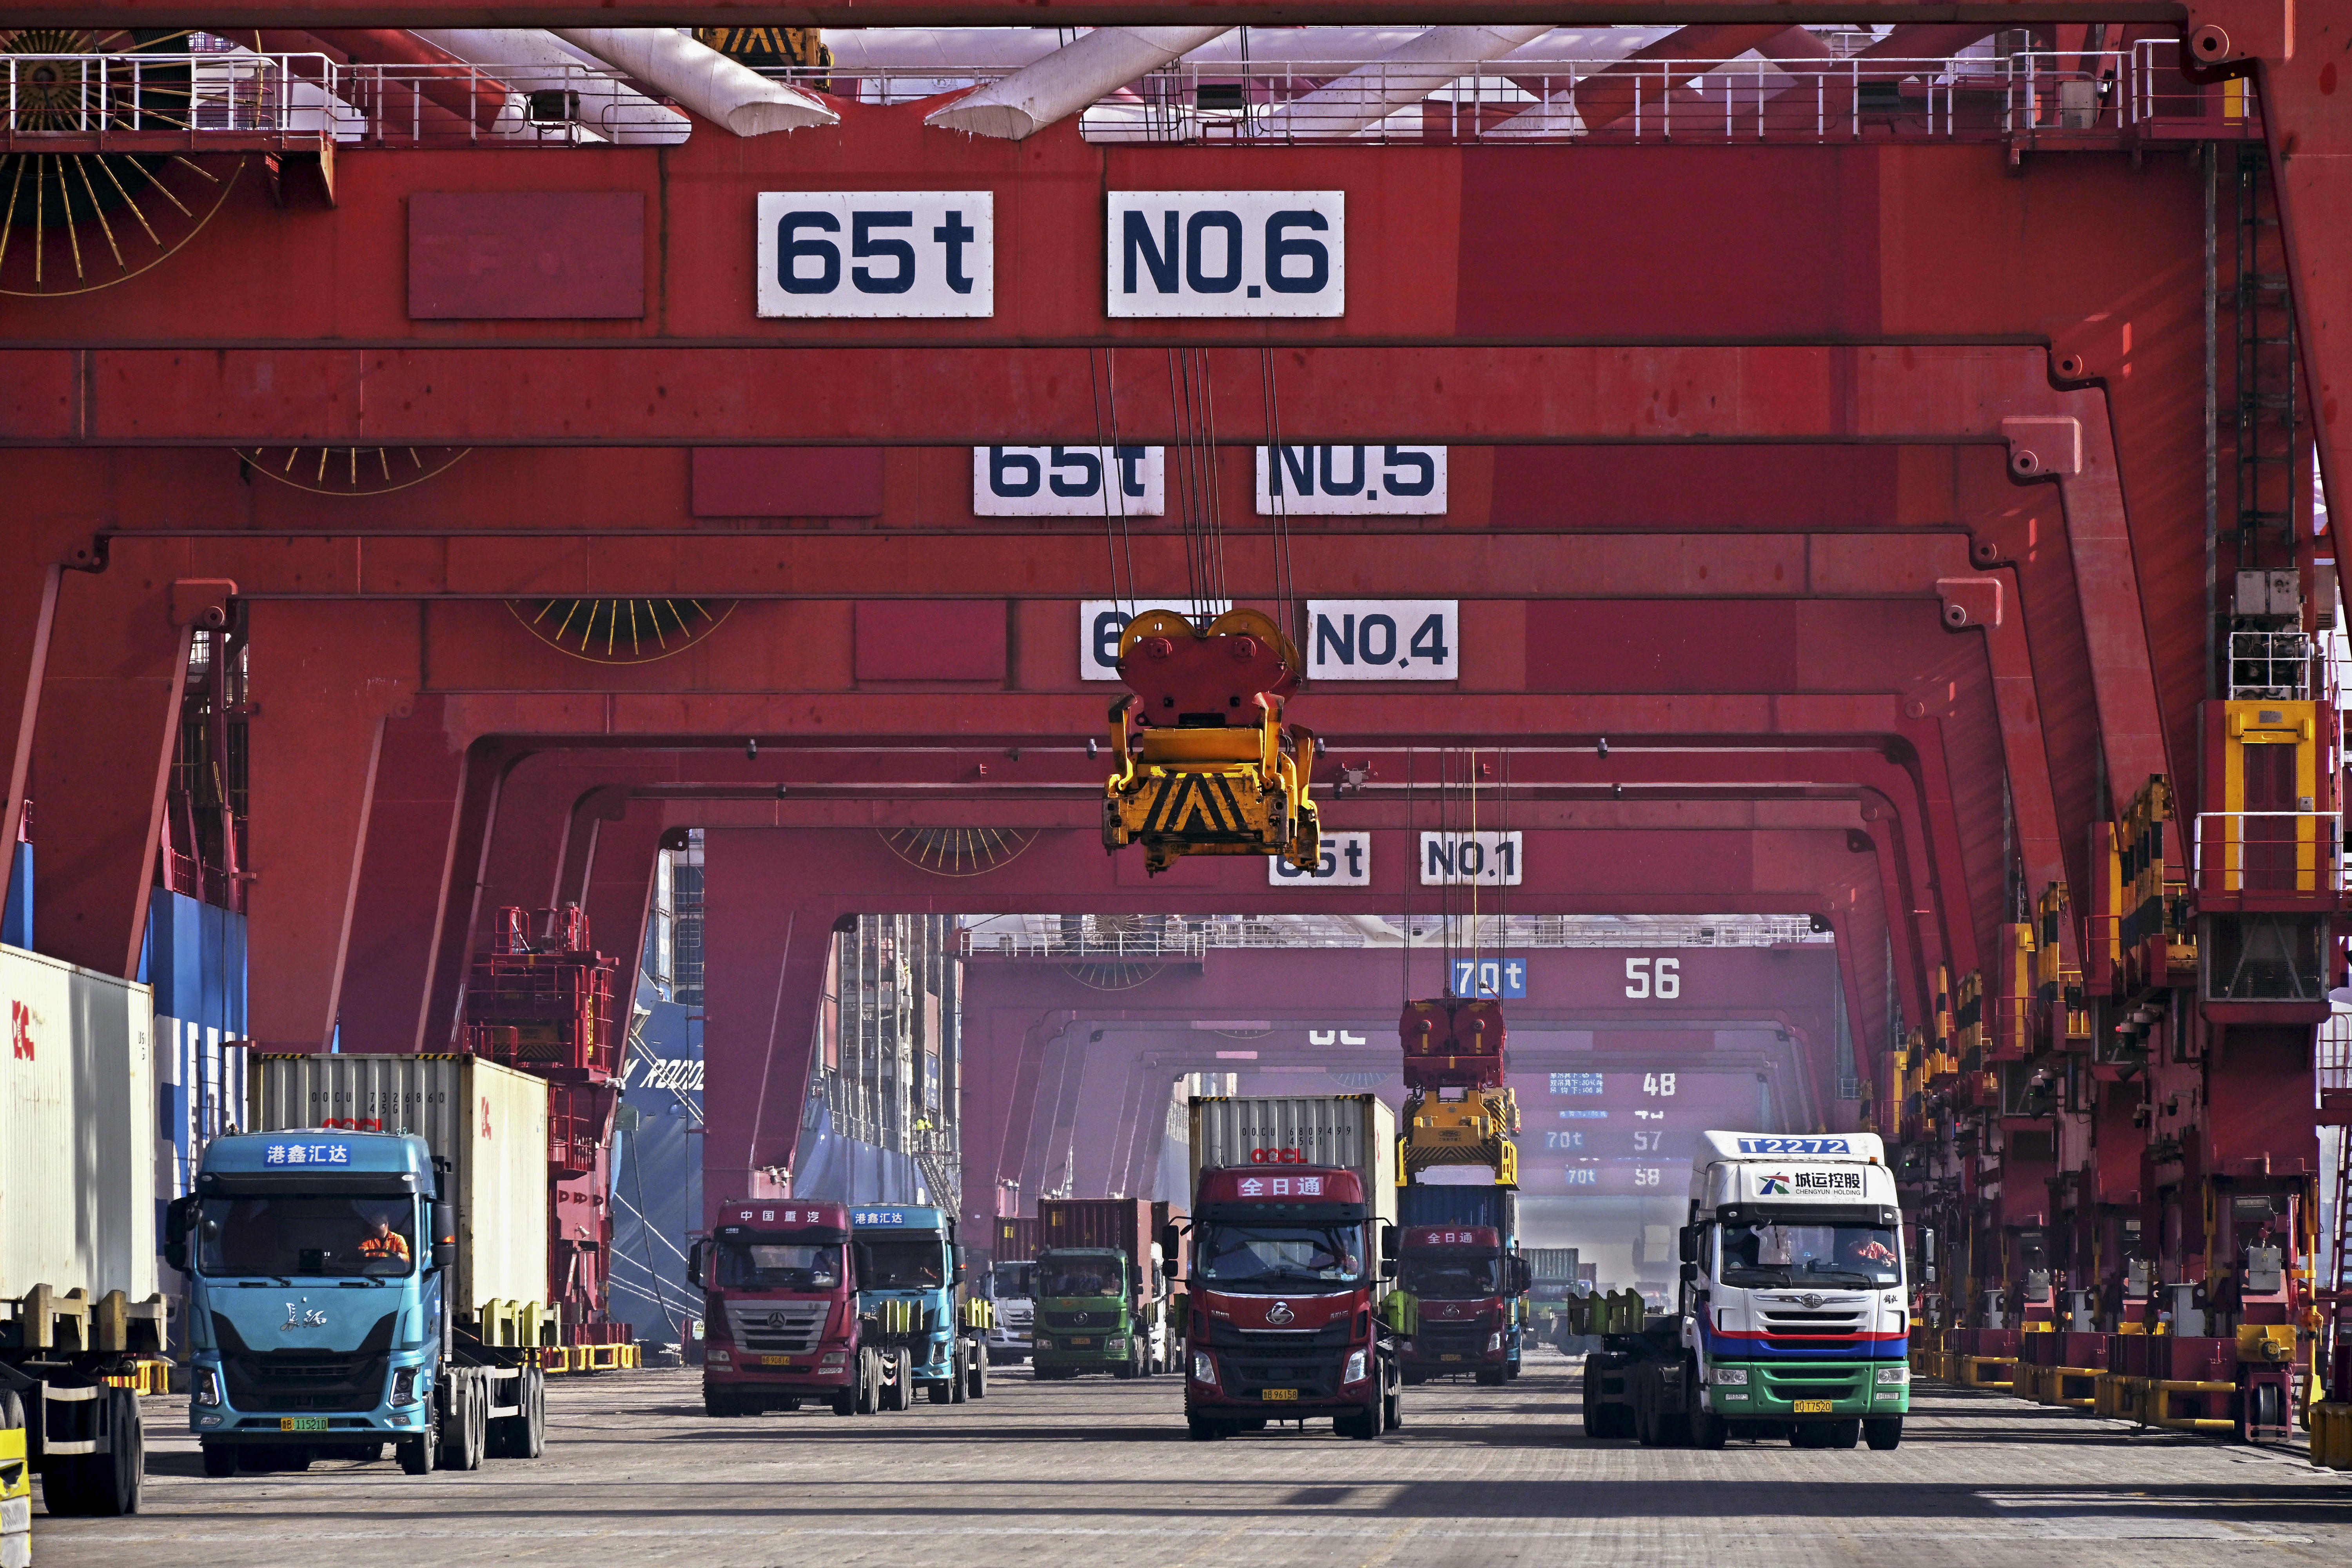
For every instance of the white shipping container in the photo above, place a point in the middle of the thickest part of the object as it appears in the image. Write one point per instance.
(488, 1122)
(77, 1130)
(1353, 1131)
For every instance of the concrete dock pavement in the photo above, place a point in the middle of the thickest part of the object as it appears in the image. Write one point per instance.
(1093, 1469)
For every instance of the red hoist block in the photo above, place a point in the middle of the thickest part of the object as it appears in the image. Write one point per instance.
(1453, 1043)
(1184, 679)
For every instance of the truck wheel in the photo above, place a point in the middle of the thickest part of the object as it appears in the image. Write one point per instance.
(942, 1393)
(220, 1459)
(1393, 1403)
(1842, 1434)
(868, 1398)
(1707, 1430)
(959, 1372)
(1361, 1427)
(1884, 1433)
(1492, 1377)
(896, 1382)
(978, 1380)
(845, 1401)
(1205, 1431)
(719, 1405)
(417, 1454)
(535, 1427)
(478, 1432)
(111, 1479)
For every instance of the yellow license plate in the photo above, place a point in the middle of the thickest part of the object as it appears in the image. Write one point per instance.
(1811, 1407)
(1449, 1357)
(301, 1422)
(1277, 1394)
(1082, 1341)
(776, 1360)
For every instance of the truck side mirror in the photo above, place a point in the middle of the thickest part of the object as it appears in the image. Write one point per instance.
(694, 1265)
(445, 1235)
(1388, 1265)
(1171, 1246)
(1690, 1273)
(1523, 1277)
(958, 1279)
(177, 1216)
(1686, 1239)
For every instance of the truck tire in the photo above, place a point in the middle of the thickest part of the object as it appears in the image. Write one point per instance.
(478, 1432)
(1205, 1431)
(977, 1380)
(1841, 1434)
(1708, 1430)
(1393, 1401)
(959, 1373)
(867, 1398)
(942, 1393)
(220, 1459)
(417, 1454)
(718, 1405)
(845, 1401)
(1493, 1376)
(1883, 1433)
(106, 1484)
(896, 1382)
(535, 1432)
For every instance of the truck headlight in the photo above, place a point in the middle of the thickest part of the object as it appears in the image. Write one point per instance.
(404, 1386)
(835, 1358)
(1736, 1376)
(1494, 1342)
(1042, 1342)
(1115, 1347)
(1893, 1374)
(1355, 1368)
(717, 1357)
(205, 1387)
(1203, 1369)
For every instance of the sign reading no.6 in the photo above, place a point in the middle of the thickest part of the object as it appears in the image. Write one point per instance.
(1227, 253)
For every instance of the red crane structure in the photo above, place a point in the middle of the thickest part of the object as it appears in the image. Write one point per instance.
(1839, 510)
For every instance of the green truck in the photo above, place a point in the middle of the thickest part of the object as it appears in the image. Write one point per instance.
(1101, 1295)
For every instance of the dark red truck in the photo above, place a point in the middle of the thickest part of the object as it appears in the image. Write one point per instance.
(782, 1314)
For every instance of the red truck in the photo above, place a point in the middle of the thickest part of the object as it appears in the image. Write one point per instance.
(782, 1310)
(1282, 1320)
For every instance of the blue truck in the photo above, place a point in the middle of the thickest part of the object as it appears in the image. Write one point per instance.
(321, 1268)
(910, 1302)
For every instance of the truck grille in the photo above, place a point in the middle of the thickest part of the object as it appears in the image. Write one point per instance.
(287, 1380)
(1787, 1330)
(780, 1328)
(1106, 1318)
(1446, 1339)
(1803, 1381)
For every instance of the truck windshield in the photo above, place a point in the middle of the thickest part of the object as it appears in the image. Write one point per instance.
(1279, 1256)
(755, 1266)
(1453, 1279)
(1079, 1275)
(293, 1233)
(1010, 1280)
(1770, 1253)
(915, 1262)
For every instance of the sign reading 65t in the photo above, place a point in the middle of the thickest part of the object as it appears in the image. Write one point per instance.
(878, 253)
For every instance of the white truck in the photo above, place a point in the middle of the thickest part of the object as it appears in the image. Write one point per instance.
(1792, 1318)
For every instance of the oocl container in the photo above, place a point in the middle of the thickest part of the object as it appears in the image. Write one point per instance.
(488, 1122)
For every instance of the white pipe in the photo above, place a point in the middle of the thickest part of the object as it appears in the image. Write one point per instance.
(526, 57)
(1067, 80)
(725, 92)
(1397, 81)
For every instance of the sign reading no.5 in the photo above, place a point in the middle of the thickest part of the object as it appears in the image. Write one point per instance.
(878, 253)
(1227, 253)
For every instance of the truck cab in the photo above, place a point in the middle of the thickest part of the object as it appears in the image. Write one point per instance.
(1012, 1306)
(1794, 1299)
(781, 1304)
(319, 1317)
(910, 1302)
(1282, 1324)
(1095, 1315)
(1469, 1291)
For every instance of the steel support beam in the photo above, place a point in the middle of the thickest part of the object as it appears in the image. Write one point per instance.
(406, 882)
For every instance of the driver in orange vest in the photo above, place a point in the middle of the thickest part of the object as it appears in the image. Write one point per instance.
(382, 1241)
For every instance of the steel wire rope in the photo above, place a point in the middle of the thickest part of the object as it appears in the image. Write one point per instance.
(637, 1040)
(1179, 447)
(1405, 948)
(1214, 505)
(1285, 577)
(1112, 487)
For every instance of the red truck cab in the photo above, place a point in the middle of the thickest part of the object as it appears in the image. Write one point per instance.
(1464, 1281)
(1281, 1324)
(780, 1311)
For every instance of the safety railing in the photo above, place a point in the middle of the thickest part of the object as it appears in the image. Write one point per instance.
(240, 100)
(2127, 95)
(2258, 852)
(1183, 937)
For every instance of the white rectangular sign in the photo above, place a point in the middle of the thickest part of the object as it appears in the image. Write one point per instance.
(1227, 253)
(1346, 863)
(1068, 481)
(1351, 481)
(1383, 639)
(878, 253)
(1459, 859)
(1100, 622)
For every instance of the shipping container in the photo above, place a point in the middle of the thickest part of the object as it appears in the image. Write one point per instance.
(488, 1122)
(78, 1131)
(1016, 1239)
(1349, 1131)
(1554, 1267)
(1497, 1208)
(1122, 1225)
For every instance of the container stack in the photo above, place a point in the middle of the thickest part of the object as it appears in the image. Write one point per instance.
(540, 1001)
